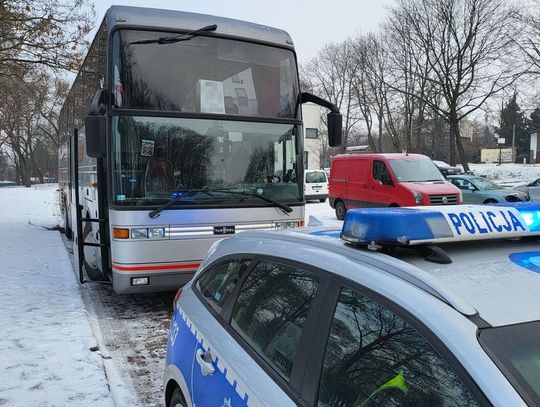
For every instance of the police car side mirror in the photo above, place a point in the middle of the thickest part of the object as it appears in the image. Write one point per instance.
(471, 188)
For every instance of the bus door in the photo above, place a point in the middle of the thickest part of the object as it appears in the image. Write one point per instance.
(91, 230)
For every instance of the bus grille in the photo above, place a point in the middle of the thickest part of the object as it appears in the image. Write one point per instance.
(443, 199)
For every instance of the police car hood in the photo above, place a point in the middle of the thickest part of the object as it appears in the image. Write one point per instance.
(499, 278)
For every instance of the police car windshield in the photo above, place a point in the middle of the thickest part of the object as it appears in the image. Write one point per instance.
(516, 351)
(415, 170)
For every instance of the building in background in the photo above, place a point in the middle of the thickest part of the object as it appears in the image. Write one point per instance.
(314, 145)
(533, 149)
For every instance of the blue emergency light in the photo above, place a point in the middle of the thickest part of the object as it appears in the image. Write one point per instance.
(440, 224)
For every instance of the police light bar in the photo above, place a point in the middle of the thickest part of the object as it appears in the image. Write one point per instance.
(440, 224)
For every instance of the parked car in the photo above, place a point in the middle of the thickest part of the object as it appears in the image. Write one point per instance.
(479, 190)
(301, 318)
(446, 169)
(372, 180)
(524, 186)
(315, 185)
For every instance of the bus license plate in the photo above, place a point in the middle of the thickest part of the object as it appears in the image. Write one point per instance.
(223, 230)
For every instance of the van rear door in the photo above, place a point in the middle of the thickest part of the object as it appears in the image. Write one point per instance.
(337, 183)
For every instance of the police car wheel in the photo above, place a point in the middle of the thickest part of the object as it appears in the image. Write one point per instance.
(340, 210)
(177, 400)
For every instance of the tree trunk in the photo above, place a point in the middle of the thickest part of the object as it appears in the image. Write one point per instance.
(456, 138)
(380, 118)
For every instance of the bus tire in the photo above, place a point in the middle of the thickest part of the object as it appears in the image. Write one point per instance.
(93, 273)
(67, 226)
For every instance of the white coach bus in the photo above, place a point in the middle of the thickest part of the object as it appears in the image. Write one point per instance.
(180, 129)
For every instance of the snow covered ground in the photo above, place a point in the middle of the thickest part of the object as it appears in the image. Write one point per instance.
(508, 174)
(45, 335)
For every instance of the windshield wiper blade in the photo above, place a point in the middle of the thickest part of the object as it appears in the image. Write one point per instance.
(177, 38)
(155, 212)
(286, 209)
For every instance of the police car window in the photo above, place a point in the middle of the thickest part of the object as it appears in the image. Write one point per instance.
(375, 358)
(271, 310)
(217, 283)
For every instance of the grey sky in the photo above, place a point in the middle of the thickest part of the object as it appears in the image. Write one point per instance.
(311, 24)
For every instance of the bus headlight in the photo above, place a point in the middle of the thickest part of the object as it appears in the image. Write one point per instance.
(156, 233)
(139, 233)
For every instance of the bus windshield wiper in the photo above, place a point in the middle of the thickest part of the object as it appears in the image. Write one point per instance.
(177, 38)
(286, 209)
(155, 212)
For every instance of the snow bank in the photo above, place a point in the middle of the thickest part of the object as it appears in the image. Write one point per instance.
(508, 173)
(45, 335)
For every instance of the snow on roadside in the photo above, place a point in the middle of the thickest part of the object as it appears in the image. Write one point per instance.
(45, 336)
(507, 173)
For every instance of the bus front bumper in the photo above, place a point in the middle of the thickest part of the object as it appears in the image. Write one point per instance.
(140, 278)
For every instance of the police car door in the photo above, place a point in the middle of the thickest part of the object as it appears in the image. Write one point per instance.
(245, 355)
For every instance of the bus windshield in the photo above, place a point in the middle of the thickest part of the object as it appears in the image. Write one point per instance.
(203, 74)
(156, 158)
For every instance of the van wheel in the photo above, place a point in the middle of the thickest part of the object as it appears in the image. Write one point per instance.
(393, 205)
(177, 400)
(341, 210)
(489, 201)
(322, 200)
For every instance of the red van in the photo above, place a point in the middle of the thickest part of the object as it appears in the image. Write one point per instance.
(372, 180)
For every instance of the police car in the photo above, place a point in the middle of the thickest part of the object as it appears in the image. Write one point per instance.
(435, 306)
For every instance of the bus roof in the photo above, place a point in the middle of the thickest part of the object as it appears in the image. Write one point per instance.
(173, 20)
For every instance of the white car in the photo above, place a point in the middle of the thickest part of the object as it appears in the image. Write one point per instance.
(315, 185)
(304, 318)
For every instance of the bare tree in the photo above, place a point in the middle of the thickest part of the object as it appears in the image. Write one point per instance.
(330, 75)
(529, 19)
(44, 33)
(27, 135)
(467, 48)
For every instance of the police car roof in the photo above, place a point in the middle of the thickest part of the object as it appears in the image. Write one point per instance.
(174, 20)
(498, 279)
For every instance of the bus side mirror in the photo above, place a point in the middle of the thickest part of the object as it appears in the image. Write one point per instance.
(95, 126)
(335, 129)
(333, 118)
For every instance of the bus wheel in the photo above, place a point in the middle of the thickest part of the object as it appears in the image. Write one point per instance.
(67, 225)
(93, 273)
(341, 210)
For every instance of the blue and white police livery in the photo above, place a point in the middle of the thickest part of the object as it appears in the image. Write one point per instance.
(283, 318)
